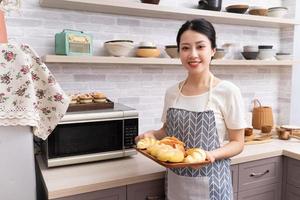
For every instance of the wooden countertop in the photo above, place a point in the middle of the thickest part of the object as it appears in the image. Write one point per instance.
(77, 179)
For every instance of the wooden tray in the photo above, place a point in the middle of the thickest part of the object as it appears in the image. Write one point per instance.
(170, 164)
(90, 106)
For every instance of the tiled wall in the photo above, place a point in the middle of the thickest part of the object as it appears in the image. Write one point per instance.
(143, 87)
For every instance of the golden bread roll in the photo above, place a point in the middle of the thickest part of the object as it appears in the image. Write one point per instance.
(146, 142)
(195, 155)
(170, 154)
(155, 149)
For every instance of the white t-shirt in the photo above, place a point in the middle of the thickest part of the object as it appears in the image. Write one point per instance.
(226, 102)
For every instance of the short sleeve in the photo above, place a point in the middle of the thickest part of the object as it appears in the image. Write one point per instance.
(234, 111)
(170, 97)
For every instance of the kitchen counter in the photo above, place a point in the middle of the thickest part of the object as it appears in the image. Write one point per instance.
(77, 179)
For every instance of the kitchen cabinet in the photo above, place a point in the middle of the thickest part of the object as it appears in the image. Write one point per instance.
(150, 190)
(291, 181)
(118, 193)
(266, 192)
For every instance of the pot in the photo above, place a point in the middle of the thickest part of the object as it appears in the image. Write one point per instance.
(215, 5)
(3, 34)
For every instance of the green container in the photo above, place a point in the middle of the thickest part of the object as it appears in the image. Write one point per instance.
(73, 43)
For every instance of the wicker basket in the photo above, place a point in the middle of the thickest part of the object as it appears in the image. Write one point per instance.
(261, 115)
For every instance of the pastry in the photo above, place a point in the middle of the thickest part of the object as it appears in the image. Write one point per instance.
(174, 142)
(98, 97)
(74, 99)
(85, 98)
(146, 143)
(195, 155)
(169, 154)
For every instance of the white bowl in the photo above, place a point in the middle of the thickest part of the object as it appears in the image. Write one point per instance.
(250, 48)
(277, 12)
(119, 47)
(266, 54)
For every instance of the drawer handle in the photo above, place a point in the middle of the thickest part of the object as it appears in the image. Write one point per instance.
(255, 175)
(157, 197)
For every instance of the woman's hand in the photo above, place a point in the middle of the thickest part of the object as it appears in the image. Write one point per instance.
(210, 156)
(150, 134)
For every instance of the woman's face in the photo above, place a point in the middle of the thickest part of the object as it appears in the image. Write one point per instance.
(195, 51)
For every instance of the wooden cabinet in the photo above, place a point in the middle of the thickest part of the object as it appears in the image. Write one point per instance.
(118, 193)
(260, 180)
(151, 190)
(266, 192)
(291, 179)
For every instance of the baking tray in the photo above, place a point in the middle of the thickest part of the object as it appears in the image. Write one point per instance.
(170, 164)
(90, 106)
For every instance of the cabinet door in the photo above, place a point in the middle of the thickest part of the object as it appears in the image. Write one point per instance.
(234, 176)
(151, 190)
(259, 173)
(293, 172)
(292, 193)
(118, 193)
(267, 192)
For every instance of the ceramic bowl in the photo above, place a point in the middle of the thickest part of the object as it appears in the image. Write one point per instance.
(258, 11)
(172, 51)
(237, 8)
(147, 52)
(277, 12)
(266, 54)
(119, 47)
(150, 1)
(250, 55)
(250, 48)
(220, 54)
(283, 56)
(265, 46)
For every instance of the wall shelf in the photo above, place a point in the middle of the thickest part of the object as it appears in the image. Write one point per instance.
(159, 11)
(157, 61)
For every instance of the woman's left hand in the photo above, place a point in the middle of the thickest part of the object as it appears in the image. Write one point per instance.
(210, 156)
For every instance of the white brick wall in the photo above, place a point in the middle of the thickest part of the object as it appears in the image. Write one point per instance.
(143, 87)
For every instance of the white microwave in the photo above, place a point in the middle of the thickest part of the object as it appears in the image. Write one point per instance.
(88, 136)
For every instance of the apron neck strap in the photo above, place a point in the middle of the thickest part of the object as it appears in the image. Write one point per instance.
(211, 80)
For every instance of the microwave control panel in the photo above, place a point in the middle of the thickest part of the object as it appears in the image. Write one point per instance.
(130, 132)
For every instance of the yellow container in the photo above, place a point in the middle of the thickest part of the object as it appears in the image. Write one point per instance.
(148, 52)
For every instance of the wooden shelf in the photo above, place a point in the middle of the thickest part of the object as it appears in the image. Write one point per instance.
(159, 11)
(157, 61)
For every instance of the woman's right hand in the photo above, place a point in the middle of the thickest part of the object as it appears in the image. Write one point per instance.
(144, 135)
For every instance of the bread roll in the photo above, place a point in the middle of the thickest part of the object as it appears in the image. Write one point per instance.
(146, 142)
(195, 155)
(170, 154)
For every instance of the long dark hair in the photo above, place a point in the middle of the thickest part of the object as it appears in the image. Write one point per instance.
(201, 26)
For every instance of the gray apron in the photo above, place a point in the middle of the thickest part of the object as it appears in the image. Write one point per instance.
(197, 129)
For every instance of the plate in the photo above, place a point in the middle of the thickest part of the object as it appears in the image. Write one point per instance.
(170, 164)
(290, 127)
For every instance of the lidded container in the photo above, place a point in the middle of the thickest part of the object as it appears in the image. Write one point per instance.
(261, 115)
(72, 42)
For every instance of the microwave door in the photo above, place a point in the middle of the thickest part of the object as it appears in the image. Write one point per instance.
(85, 138)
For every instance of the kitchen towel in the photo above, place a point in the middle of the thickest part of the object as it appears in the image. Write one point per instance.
(29, 93)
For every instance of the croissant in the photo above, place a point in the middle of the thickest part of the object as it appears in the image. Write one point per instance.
(146, 143)
(194, 155)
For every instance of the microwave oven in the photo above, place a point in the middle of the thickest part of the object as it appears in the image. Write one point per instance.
(88, 136)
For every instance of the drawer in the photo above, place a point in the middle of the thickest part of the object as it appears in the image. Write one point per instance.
(293, 172)
(150, 190)
(259, 173)
(234, 176)
(267, 192)
(292, 193)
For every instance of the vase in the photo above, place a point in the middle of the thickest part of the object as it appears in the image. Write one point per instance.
(3, 33)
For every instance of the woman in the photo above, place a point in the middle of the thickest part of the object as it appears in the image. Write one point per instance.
(202, 111)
